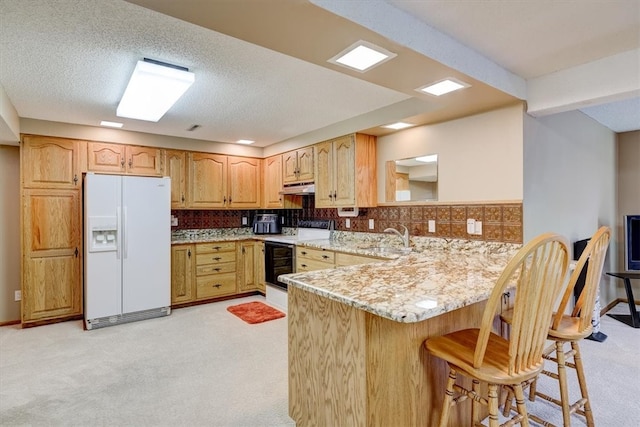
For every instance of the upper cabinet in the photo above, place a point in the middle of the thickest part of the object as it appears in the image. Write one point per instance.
(123, 159)
(218, 181)
(176, 169)
(273, 182)
(298, 166)
(345, 172)
(50, 162)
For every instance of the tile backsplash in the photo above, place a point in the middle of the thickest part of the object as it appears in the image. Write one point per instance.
(500, 222)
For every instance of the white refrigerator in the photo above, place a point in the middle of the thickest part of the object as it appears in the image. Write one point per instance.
(127, 274)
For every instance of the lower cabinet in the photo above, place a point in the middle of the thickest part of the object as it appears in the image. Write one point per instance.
(310, 259)
(215, 269)
(182, 289)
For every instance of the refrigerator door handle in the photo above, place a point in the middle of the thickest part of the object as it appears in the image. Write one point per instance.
(124, 233)
(119, 231)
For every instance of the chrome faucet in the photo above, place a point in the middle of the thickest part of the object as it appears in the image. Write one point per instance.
(404, 237)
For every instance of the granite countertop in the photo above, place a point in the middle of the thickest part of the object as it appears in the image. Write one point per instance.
(411, 288)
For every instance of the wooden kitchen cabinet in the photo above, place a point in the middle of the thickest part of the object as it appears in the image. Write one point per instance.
(182, 283)
(176, 169)
(50, 162)
(345, 172)
(298, 166)
(273, 182)
(215, 269)
(123, 159)
(344, 259)
(259, 264)
(51, 255)
(248, 274)
(218, 181)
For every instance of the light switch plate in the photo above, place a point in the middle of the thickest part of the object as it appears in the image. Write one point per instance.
(174, 221)
(471, 226)
(432, 226)
(17, 296)
(371, 224)
(245, 220)
(478, 228)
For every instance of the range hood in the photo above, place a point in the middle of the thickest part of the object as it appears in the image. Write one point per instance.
(299, 189)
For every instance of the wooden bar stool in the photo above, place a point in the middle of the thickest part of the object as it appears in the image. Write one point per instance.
(538, 271)
(571, 329)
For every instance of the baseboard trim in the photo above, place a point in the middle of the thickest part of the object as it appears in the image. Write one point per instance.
(9, 323)
(614, 303)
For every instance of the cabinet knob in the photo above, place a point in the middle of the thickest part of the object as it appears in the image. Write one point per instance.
(122, 163)
(325, 256)
(130, 162)
(303, 252)
(183, 198)
(189, 253)
(75, 179)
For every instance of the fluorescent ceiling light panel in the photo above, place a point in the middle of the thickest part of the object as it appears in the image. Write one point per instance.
(428, 159)
(245, 141)
(153, 89)
(110, 124)
(444, 86)
(362, 56)
(397, 126)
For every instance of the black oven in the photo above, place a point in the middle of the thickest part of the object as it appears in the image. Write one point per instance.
(278, 259)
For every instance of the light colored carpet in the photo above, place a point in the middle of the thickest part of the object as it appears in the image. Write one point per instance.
(202, 366)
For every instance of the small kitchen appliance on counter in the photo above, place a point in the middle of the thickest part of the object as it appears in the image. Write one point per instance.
(267, 224)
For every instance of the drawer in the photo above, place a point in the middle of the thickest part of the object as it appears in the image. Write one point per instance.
(215, 258)
(215, 285)
(226, 267)
(315, 254)
(303, 265)
(205, 248)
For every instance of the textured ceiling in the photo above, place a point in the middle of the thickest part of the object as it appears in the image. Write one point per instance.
(261, 70)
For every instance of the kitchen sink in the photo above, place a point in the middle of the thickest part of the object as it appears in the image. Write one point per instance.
(386, 250)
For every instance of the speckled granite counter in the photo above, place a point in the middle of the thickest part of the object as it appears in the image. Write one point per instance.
(411, 288)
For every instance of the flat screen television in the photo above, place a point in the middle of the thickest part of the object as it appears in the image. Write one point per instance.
(632, 242)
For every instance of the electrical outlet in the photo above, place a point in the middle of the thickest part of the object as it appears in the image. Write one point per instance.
(432, 226)
(371, 224)
(174, 220)
(17, 296)
(245, 220)
(347, 222)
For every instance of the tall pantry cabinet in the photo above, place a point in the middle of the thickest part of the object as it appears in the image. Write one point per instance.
(51, 229)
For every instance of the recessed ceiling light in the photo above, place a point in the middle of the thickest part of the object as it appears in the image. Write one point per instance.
(153, 88)
(362, 56)
(443, 86)
(245, 141)
(397, 126)
(428, 159)
(111, 124)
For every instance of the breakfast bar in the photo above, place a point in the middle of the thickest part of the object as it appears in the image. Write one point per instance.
(355, 336)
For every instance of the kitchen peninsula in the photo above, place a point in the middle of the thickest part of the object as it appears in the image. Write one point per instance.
(355, 336)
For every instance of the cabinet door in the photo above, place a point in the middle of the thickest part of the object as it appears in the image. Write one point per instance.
(207, 180)
(143, 161)
(247, 273)
(323, 155)
(49, 162)
(52, 255)
(244, 182)
(290, 167)
(182, 274)
(273, 182)
(259, 266)
(344, 171)
(305, 164)
(102, 157)
(176, 164)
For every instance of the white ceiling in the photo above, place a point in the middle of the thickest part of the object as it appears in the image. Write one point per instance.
(261, 70)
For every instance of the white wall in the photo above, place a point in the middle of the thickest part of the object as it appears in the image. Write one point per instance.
(479, 157)
(9, 232)
(570, 182)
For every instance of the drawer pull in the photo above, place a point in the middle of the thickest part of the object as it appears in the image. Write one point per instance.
(215, 248)
(325, 256)
(303, 265)
(217, 285)
(303, 252)
(216, 258)
(216, 269)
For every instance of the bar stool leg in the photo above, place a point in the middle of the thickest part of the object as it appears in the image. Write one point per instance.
(475, 405)
(577, 359)
(564, 389)
(493, 405)
(522, 408)
(448, 398)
